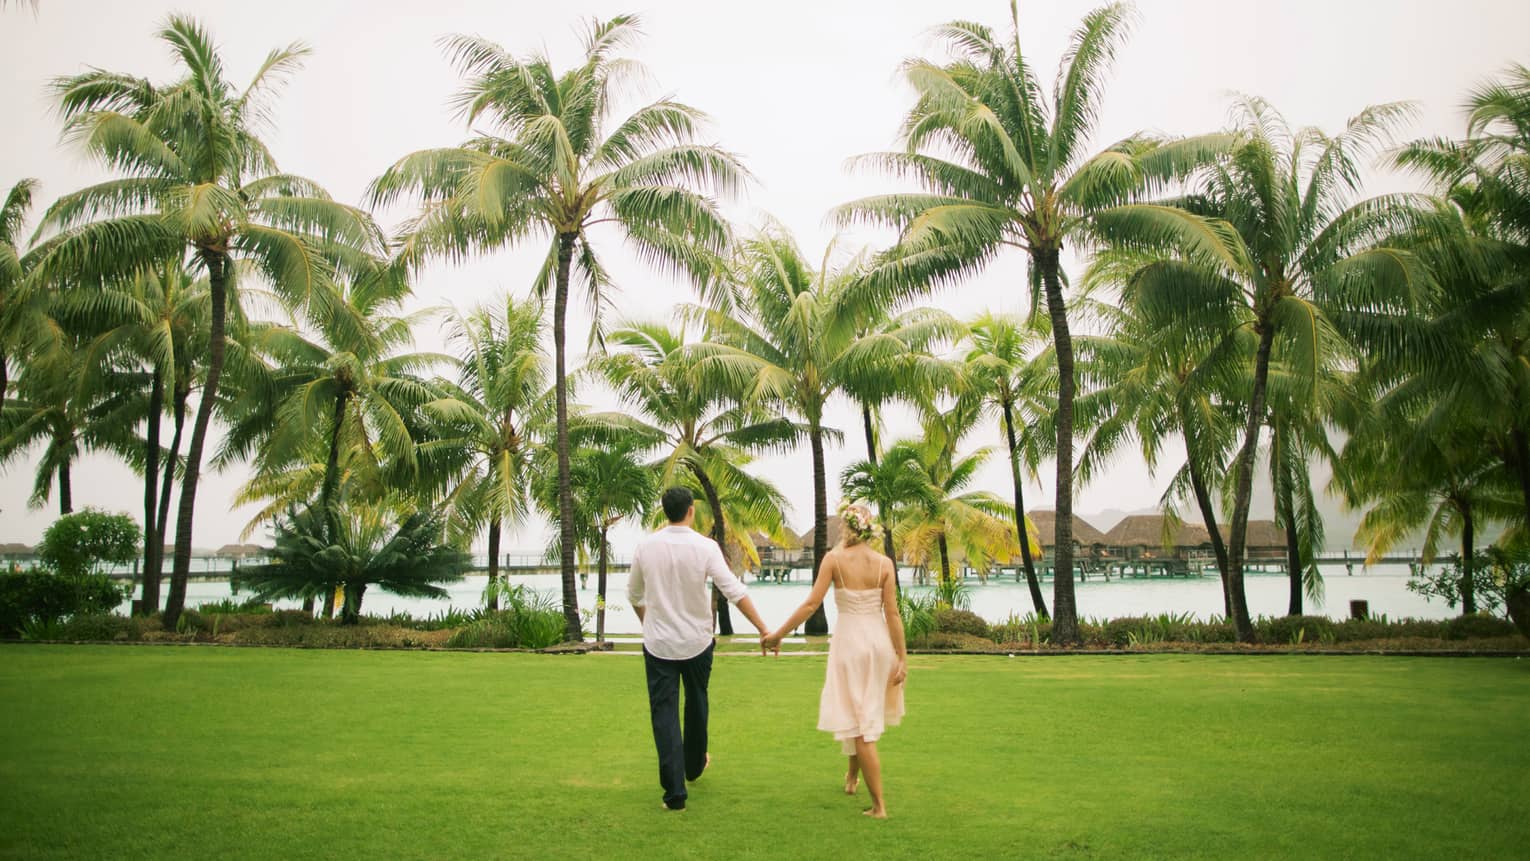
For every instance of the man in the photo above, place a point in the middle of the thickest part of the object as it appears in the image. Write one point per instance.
(668, 589)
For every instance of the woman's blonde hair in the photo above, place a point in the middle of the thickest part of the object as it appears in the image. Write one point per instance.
(857, 524)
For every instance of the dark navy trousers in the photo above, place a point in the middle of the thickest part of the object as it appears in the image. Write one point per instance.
(682, 756)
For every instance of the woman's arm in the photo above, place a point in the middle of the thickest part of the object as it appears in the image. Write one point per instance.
(894, 623)
(814, 598)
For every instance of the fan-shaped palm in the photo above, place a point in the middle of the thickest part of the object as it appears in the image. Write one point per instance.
(1001, 167)
(556, 165)
(194, 177)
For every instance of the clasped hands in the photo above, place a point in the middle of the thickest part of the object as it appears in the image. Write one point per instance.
(770, 642)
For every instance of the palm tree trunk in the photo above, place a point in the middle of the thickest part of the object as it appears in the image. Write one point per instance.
(152, 549)
(1293, 550)
(1244, 486)
(1468, 579)
(65, 490)
(572, 631)
(945, 564)
(493, 563)
(217, 276)
(871, 455)
(350, 614)
(818, 623)
(332, 467)
(720, 535)
(1031, 579)
(1065, 610)
(600, 584)
(1209, 515)
(152, 574)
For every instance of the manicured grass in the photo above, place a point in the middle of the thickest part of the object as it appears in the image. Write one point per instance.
(211, 753)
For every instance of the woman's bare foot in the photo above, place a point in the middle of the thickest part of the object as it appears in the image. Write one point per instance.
(852, 783)
(875, 812)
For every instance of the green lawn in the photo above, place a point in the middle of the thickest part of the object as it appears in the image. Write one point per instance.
(212, 753)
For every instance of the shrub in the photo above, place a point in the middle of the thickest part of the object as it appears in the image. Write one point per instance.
(227, 606)
(1284, 630)
(1478, 626)
(951, 621)
(511, 629)
(331, 635)
(102, 627)
(80, 543)
(1029, 631)
(47, 597)
(917, 613)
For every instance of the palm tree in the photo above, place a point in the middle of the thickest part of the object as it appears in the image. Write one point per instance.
(556, 165)
(353, 384)
(793, 340)
(1003, 168)
(892, 483)
(697, 424)
(947, 520)
(1009, 369)
(153, 320)
(612, 484)
(1281, 250)
(491, 420)
(1158, 371)
(14, 299)
(194, 177)
(1469, 358)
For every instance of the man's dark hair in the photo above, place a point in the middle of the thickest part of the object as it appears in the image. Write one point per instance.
(677, 501)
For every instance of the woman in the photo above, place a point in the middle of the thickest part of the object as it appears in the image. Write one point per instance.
(863, 689)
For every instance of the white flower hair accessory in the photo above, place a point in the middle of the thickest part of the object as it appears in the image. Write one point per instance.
(858, 519)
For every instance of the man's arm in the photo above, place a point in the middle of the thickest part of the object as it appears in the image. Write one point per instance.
(635, 584)
(732, 587)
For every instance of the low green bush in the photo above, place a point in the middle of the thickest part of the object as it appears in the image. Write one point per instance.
(515, 628)
(101, 627)
(333, 635)
(229, 606)
(47, 597)
(953, 621)
(1282, 630)
(1478, 626)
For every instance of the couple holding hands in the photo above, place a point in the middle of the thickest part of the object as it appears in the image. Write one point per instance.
(863, 687)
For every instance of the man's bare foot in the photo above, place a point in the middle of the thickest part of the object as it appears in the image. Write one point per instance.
(851, 784)
(704, 766)
(875, 812)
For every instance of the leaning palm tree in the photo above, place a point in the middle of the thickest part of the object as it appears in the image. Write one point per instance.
(1007, 365)
(793, 340)
(1282, 250)
(1002, 167)
(554, 165)
(194, 177)
(696, 424)
(490, 421)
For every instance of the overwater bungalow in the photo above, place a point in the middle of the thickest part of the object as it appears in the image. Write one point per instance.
(1151, 536)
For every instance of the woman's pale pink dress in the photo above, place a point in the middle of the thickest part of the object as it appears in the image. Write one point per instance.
(857, 698)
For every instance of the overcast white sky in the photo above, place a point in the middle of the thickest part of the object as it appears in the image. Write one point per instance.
(794, 87)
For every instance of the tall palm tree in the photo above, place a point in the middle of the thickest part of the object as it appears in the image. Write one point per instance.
(1002, 167)
(1160, 370)
(1011, 371)
(555, 164)
(14, 299)
(793, 340)
(697, 425)
(491, 420)
(195, 177)
(154, 320)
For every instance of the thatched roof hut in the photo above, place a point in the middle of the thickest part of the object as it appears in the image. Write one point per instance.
(832, 530)
(1144, 534)
(1264, 538)
(238, 551)
(1084, 535)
